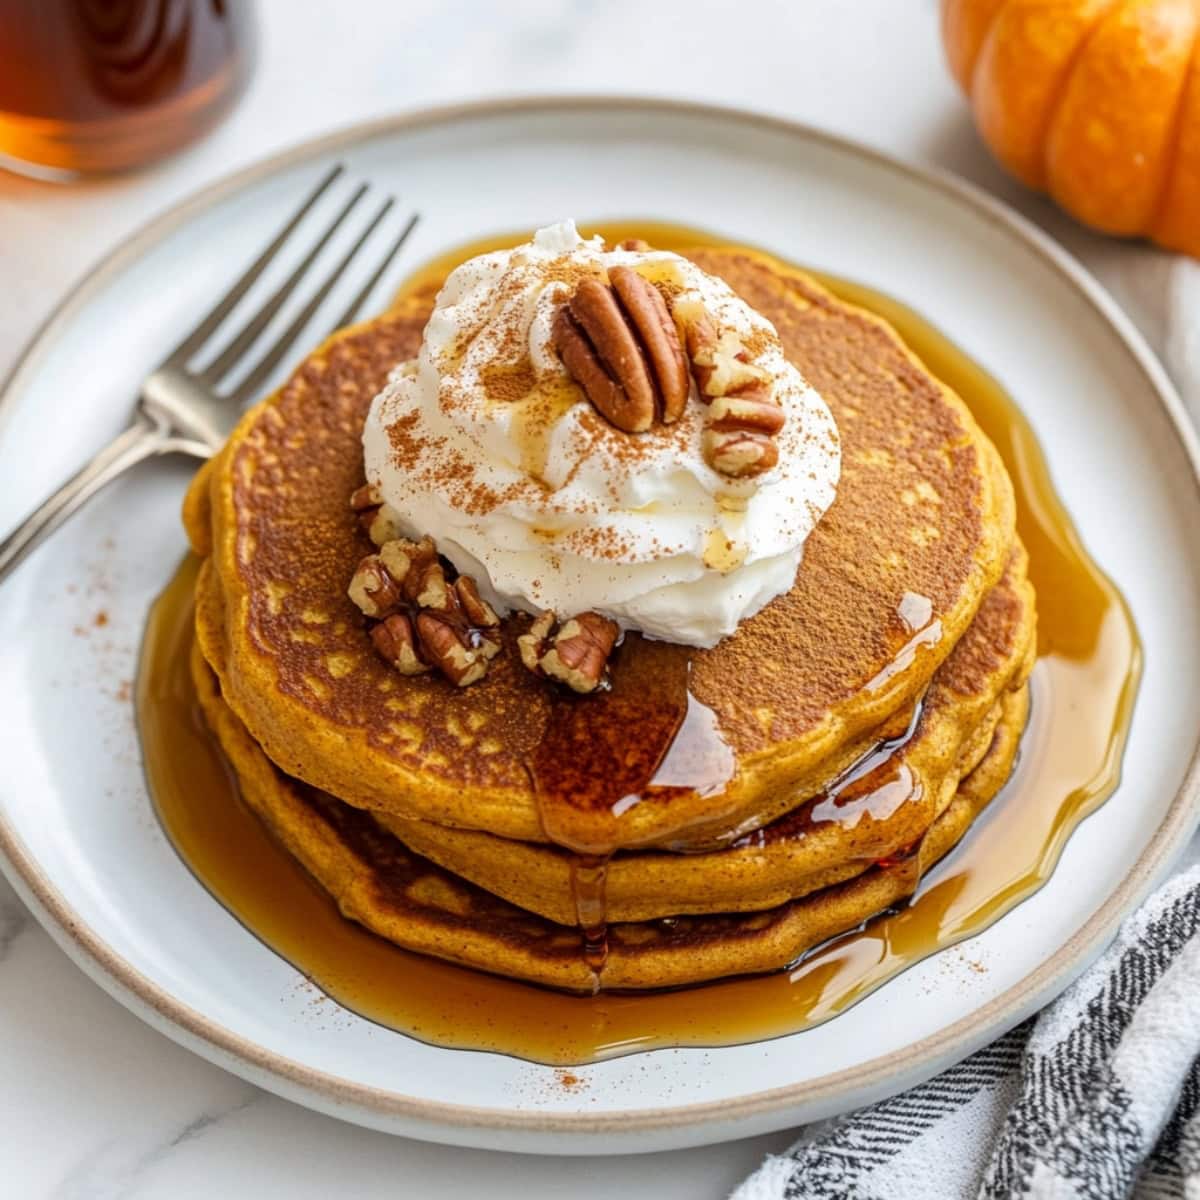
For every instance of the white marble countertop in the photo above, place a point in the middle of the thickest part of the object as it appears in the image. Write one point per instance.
(93, 1104)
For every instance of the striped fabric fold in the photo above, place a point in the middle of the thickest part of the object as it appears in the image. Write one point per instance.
(1097, 1097)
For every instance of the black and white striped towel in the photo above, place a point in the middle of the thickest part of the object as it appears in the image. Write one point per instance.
(1097, 1097)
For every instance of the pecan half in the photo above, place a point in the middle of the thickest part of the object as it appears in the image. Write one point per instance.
(619, 343)
(380, 520)
(576, 655)
(647, 310)
(743, 414)
(607, 396)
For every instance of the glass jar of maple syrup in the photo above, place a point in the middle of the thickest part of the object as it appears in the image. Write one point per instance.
(91, 86)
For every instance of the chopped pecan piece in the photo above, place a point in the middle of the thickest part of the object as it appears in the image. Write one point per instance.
(754, 409)
(620, 344)
(378, 519)
(447, 646)
(415, 567)
(366, 497)
(474, 617)
(383, 525)
(486, 641)
(579, 655)
(478, 611)
(743, 414)
(532, 644)
(374, 589)
(397, 644)
(740, 454)
(576, 655)
(719, 361)
(426, 620)
(426, 587)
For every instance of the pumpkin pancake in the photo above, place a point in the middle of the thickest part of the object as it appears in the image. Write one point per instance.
(410, 901)
(882, 804)
(892, 577)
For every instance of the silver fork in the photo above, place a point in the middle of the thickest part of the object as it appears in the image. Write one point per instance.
(179, 408)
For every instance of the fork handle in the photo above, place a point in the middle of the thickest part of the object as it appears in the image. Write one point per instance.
(141, 440)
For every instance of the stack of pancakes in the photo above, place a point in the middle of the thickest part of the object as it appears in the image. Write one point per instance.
(719, 811)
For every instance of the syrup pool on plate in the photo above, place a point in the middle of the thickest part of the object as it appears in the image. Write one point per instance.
(1083, 688)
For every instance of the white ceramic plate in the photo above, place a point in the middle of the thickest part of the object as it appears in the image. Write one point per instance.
(82, 843)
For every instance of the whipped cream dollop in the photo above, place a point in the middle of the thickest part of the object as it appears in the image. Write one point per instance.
(485, 443)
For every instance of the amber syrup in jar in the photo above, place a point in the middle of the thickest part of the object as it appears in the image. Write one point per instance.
(104, 85)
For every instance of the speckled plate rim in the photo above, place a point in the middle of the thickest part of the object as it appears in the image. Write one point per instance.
(587, 1132)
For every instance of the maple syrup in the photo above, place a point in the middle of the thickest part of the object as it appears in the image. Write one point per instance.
(645, 738)
(876, 785)
(1083, 688)
(103, 85)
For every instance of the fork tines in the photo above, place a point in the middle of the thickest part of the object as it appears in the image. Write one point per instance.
(256, 324)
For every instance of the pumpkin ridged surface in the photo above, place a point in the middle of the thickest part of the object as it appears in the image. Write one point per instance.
(1108, 146)
(965, 24)
(1023, 70)
(1177, 225)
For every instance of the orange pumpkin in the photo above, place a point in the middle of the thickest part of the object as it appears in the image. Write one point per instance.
(1096, 102)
